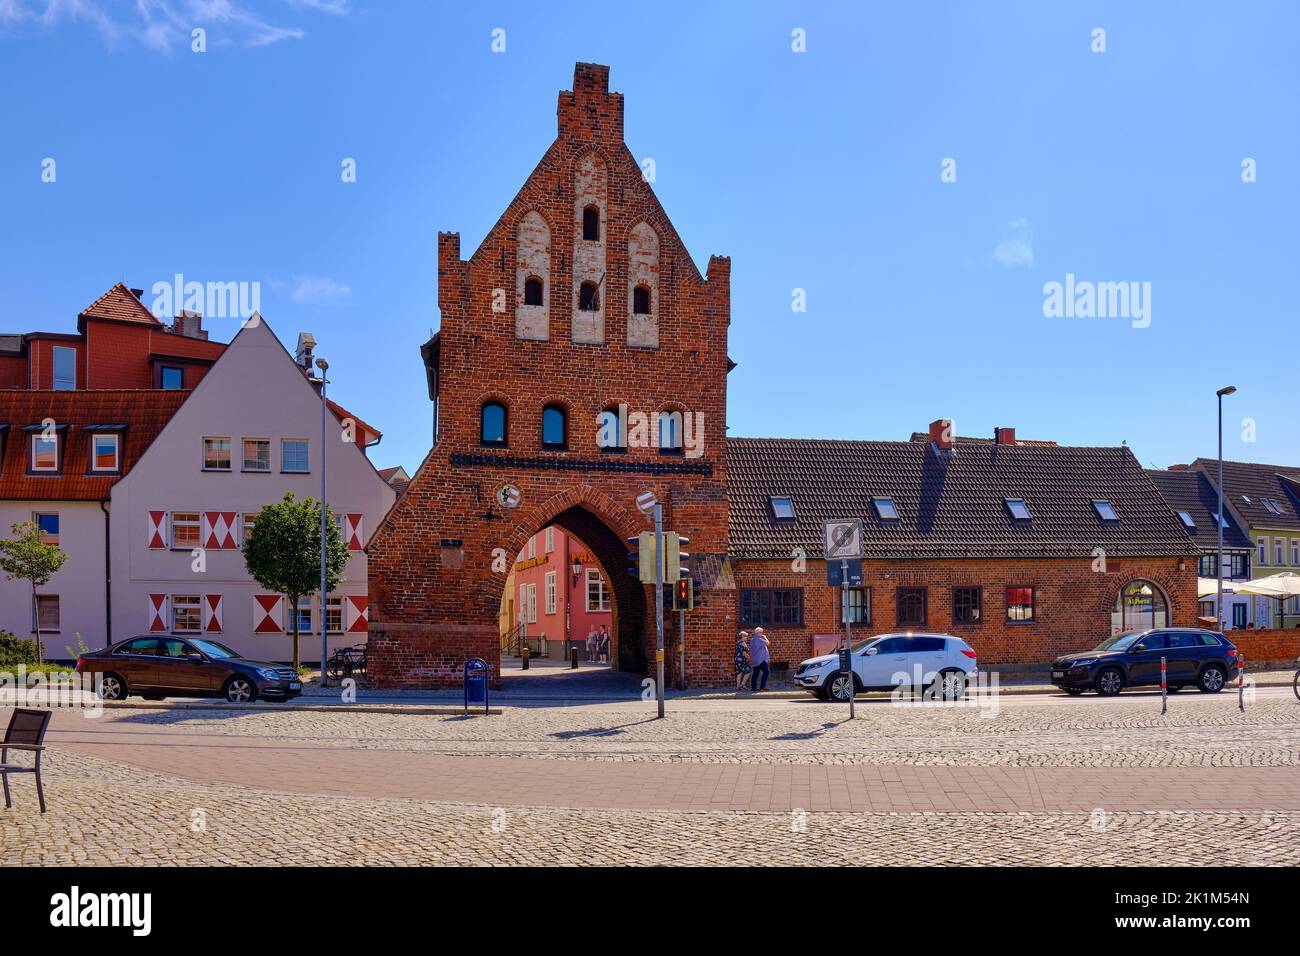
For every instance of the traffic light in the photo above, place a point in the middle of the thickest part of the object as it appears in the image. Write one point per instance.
(675, 563)
(684, 595)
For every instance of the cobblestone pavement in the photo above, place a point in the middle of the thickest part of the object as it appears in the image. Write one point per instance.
(115, 811)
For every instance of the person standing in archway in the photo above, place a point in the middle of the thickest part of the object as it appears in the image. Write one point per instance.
(591, 644)
(603, 646)
(758, 653)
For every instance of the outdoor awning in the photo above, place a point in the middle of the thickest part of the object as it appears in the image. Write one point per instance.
(1209, 587)
(1283, 585)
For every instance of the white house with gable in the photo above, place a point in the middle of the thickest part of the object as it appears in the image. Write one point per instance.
(249, 433)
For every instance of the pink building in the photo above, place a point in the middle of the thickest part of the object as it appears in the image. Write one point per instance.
(559, 593)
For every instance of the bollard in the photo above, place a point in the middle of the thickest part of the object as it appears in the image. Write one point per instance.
(523, 656)
(1241, 682)
(1164, 687)
(573, 658)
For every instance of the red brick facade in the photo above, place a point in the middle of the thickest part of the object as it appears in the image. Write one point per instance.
(435, 589)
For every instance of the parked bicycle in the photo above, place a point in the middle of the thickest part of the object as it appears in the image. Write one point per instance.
(347, 662)
(1295, 681)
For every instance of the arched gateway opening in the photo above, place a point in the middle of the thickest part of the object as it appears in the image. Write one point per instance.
(566, 581)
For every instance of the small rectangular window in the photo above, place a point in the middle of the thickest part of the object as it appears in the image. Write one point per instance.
(1207, 566)
(65, 368)
(216, 454)
(48, 522)
(185, 614)
(1261, 558)
(885, 509)
(1241, 565)
(304, 616)
(782, 508)
(1295, 552)
(257, 454)
(550, 540)
(47, 612)
(532, 547)
(1239, 615)
(334, 615)
(855, 605)
(1018, 510)
(551, 593)
(171, 377)
(185, 529)
(1188, 521)
(597, 595)
(293, 455)
(104, 452)
(249, 521)
(1020, 604)
(1279, 552)
(1105, 511)
(771, 606)
(967, 605)
(45, 453)
(912, 606)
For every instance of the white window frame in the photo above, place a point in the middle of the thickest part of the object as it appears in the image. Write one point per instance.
(38, 437)
(1261, 547)
(172, 524)
(602, 602)
(332, 603)
(532, 547)
(532, 603)
(243, 456)
(58, 611)
(183, 602)
(116, 439)
(37, 515)
(1295, 552)
(246, 520)
(54, 365)
(551, 592)
(550, 540)
(304, 606)
(1279, 552)
(295, 471)
(230, 452)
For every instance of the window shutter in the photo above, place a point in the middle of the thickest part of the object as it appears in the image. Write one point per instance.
(157, 536)
(352, 532)
(268, 614)
(358, 613)
(157, 613)
(212, 614)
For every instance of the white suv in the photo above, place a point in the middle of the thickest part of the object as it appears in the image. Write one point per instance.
(893, 660)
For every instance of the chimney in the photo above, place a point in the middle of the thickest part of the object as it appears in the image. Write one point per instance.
(1004, 436)
(189, 324)
(138, 293)
(303, 355)
(941, 434)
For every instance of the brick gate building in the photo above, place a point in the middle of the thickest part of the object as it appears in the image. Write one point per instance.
(582, 359)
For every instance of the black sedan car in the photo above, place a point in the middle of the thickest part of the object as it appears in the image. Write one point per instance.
(1204, 658)
(166, 666)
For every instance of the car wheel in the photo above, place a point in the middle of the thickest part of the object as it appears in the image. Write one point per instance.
(240, 690)
(1075, 691)
(1110, 682)
(112, 687)
(949, 686)
(823, 692)
(839, 686)
(1212, 679)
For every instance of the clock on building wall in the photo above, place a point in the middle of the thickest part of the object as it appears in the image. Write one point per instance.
(508, 496)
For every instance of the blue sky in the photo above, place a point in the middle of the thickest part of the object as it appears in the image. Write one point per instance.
(817, 171)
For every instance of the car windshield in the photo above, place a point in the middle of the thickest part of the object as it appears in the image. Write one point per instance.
(213, 649)
(1120, 642)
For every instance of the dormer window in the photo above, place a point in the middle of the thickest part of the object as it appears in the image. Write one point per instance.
(591, 224)
(1105, 510)
(105, 451)
(782, 508)
(45, 453)
(885, 509)
(1188, 521)
(1018, 510)
(589, 297)
(532, 291)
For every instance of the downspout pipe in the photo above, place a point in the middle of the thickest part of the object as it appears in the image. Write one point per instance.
(108, 579)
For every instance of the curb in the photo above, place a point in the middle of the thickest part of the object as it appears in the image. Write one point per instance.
(309, 708)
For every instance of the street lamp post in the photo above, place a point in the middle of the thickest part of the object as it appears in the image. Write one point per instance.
(324, 516)
(1218, 607)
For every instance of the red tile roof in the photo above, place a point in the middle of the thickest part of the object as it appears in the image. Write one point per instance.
(120, 305)
(144, 411)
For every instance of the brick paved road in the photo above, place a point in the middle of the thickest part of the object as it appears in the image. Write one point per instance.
(1046, 781)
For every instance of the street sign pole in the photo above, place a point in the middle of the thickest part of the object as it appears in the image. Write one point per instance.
(659, 606)
(848, 640)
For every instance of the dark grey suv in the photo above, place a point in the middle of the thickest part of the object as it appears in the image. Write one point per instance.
(1192, 656)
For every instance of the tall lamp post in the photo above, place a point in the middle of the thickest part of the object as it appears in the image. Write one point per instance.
(1219, 517)
(324, 516)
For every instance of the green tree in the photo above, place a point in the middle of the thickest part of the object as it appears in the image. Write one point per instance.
(283, 553)
(26, 557)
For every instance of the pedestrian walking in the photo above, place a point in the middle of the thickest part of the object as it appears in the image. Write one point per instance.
(742, 659)
(759, 656)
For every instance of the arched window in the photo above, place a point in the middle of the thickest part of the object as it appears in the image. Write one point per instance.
(589, 297)
(670, 433)
(612, 434)
(641, 300)
(591, 224)
(1139, 605)
(554, 427)
(492, 428)
(532, 291)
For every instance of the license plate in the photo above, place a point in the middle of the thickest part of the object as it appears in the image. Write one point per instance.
(1058, 673)
(295, 685)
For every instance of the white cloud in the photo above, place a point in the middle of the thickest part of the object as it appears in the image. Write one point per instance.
(1016, 247)
(313, 290)
(165, 25)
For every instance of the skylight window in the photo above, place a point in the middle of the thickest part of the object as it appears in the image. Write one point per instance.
(1105, 510)
(885, 509)
(1223, 523)
(1271, 504)
(1188, 521)
(782, 507)
(1018, 510)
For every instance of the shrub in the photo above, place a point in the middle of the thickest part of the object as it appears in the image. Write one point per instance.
(16, 650)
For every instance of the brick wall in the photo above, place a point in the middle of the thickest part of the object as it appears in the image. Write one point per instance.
(1072, 602)
(1272, 647)
(435, 583)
